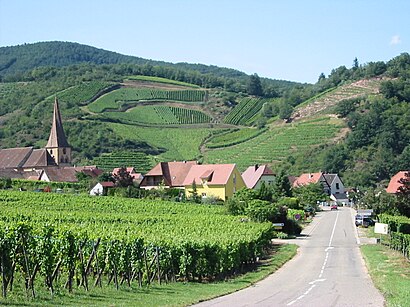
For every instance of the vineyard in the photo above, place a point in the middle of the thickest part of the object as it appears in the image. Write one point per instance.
(161, 115)
(139, 160)
(67, 242)
(84, 93)
(399, 229)
(115, 100)
(233, 137)
(277, 143)
(244, 112)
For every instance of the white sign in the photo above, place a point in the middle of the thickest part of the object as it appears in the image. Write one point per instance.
(381, 228)
(278, 224)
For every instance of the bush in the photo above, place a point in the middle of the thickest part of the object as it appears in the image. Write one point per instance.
(262, 211)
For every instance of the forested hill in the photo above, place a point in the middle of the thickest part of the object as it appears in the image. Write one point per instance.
(17, 60)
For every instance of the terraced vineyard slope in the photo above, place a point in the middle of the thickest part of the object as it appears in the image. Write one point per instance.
(139, 160)
(161, 115)
(117, 99)
(244, 112)
(277, 143)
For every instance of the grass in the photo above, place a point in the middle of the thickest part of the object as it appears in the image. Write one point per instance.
(172, 294)
(390, 272)
(178, 144)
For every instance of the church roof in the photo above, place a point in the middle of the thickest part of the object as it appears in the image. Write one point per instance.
(14, 157)
(39, 158)
(57, 136)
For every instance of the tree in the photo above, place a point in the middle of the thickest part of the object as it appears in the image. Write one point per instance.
(255, 86)
(403, 195)
(310, 194)
(281, 186)
(355, 64)
(123, 178)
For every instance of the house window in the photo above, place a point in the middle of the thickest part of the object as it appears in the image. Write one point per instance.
(337, 186)
(51, 152)
(203, 195)
(234, 179)
(64, 151)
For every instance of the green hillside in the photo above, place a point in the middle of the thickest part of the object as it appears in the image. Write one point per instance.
(354, 122)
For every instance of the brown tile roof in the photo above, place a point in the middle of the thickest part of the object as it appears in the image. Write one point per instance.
(15, 174)
(131, 170)
(173, 173)
(14, 157)
(254, 173)
(107, 184)
(305, 179)
(220, 174)
(394, 183)
(39, 158)
(90, 170)
(57, 136)
(61, 174)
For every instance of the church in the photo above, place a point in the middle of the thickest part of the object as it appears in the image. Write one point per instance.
(52, 163)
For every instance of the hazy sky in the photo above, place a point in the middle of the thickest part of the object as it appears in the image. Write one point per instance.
(288, 39)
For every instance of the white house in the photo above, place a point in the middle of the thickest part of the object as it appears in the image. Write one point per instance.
(337, 189)
(256, 174)
(101, 188)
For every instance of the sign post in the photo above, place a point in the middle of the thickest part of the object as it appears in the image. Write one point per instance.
(381, 229)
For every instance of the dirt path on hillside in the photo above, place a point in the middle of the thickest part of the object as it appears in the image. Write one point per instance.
(356, 89)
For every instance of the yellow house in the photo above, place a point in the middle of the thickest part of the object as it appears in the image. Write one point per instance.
(216, 180)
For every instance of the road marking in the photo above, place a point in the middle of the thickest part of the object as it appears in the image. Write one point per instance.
(334, 228)
(317, 280)
(328, 248)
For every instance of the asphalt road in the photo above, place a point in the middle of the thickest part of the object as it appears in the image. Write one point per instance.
(327, 271)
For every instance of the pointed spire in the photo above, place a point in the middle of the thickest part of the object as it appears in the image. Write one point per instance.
(57, 137)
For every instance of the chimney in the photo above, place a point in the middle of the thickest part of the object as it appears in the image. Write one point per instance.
(256, 166)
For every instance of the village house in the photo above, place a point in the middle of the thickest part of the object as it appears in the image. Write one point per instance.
(254, 175)
(394, 184)
(101, 188)
(136, 177)
(213, 180)
(167, 175)
(332, 185)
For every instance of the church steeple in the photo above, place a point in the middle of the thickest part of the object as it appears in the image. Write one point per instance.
(57, 144)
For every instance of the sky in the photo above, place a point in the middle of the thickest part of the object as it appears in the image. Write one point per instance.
(293, 40)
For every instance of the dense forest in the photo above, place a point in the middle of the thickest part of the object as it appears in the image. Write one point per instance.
(376, 147)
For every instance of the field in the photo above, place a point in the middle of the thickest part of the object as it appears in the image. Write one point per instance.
(277, 143)
(161, 115)
(178, 144)
(117, 99)
(50, 236)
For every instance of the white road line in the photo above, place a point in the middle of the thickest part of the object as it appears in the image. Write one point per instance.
(334, 228)
(329, 247)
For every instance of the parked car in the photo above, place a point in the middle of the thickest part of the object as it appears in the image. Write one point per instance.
(333, 207)
(364, 221)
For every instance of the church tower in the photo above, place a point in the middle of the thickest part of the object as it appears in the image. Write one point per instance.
(57, 145)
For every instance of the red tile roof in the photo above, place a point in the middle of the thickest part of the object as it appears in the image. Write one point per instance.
(131, 170)
(254, 173)
(173, 173)
(394, 183)
(220, 174)
(306, 179)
